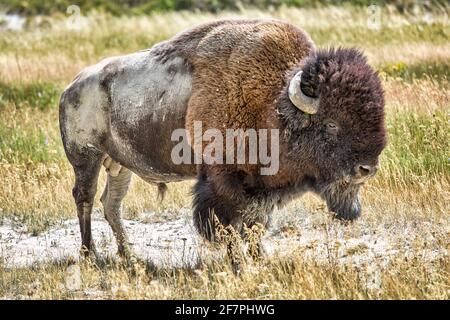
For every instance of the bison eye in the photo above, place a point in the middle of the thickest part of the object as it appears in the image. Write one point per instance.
(331, 127)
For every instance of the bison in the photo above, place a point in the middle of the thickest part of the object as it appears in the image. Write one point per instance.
(327, 105)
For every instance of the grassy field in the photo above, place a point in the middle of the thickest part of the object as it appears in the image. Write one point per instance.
(412, 53)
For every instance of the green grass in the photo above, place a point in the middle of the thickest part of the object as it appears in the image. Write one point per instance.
(20, 145)
(111, 36)
(419, 145)
(28, 126)
(36, 95)
(138, 7)
(436, 70)
(351, 36)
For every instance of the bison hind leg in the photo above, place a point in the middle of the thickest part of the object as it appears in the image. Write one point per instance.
(115, 190)
(86, 164)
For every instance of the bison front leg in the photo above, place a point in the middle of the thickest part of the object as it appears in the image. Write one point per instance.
(217, 217)
(211, 203)
(239, 212)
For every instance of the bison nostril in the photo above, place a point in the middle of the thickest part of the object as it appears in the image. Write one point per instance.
(365, 170)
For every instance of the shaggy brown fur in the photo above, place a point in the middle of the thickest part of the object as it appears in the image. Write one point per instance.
(241, 73)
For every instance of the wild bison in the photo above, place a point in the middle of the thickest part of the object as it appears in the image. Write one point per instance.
(327, 106)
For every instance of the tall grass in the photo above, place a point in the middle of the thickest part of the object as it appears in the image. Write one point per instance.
(138, 7)
(51, 51)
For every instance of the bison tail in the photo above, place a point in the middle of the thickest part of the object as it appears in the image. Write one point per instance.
(162, 189)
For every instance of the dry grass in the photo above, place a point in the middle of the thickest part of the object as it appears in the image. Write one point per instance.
(412, 190)
(278, 278)
(50, 51)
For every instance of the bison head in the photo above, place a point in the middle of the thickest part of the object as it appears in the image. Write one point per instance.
(333, 112)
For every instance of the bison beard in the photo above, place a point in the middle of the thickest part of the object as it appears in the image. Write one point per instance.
(343, 199)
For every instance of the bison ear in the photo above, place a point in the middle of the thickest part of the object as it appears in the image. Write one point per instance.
(303, 102)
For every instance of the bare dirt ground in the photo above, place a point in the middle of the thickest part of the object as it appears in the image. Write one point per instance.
(175, 243)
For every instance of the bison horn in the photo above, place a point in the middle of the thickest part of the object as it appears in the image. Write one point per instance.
(299, 99)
